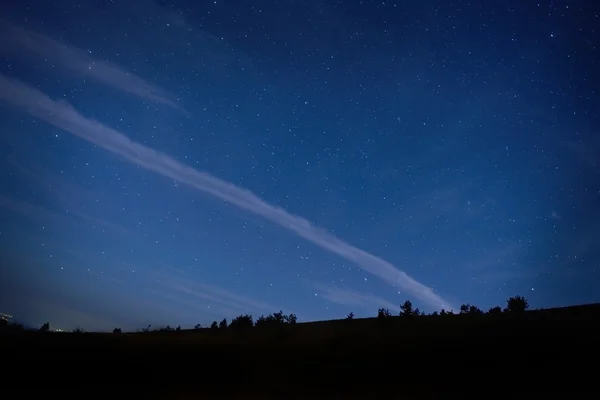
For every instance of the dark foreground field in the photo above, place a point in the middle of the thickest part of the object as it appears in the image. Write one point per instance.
(540, 352)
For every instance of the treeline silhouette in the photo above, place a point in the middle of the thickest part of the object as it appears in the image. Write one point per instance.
(514, 306)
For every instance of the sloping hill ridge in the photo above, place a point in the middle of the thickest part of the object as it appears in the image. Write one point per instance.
(540, 350)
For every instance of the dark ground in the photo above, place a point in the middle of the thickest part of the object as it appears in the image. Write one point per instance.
(539, 353)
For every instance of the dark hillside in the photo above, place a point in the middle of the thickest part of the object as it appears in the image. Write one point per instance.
(544, 350)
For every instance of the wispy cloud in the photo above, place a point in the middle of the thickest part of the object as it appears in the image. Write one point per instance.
(186, 289)
(64, 116)
(73, 217)
(495, 258)
(349, 297)
(498, 264)
(30, 210)
(74, 59)
(175, 284)
(199, 309)
(69, 197)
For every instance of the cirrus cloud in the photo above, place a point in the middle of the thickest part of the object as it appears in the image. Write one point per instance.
(64, 116)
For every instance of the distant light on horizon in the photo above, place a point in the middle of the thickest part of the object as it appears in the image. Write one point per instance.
(5, 316)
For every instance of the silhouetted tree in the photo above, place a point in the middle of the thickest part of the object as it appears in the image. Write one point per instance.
(78, 330)
(406, 309)
(517, 304)
(214, 326)
(417, 312)
(474, 310)
(383, 313)
(495, 311)
(242, 322)
(198, 327)
(117, 331)
(178, 328)
(279, 317)
(350, 316)
(45, 327)
(276, 319)
(435, 314)
(147, 329)
(223, 323)
(263, 321)
(290, 319)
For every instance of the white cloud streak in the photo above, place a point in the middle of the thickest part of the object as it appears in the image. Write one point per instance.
(17, 40)
(348, 297)
(64, 116)
(185, 285)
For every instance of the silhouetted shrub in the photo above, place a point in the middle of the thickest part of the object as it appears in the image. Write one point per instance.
(117, 331)
(242, 322)
(167, 328)
(223, 323)
(198, 327)
(517, 305)
(147, 329)
(350, 316)
(78, 330)
(45, 327)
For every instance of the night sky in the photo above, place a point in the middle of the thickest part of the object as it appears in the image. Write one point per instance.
(180, 162)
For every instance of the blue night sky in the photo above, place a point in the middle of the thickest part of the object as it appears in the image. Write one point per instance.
(180, 162)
